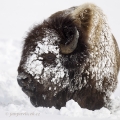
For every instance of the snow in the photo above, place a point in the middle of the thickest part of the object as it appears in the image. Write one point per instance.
(34, 66)
(16, 18)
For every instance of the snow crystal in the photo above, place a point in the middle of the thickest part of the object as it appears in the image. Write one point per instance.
(44, 96)
(49, 88)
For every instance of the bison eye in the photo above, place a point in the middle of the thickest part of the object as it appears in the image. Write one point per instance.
(48, 59)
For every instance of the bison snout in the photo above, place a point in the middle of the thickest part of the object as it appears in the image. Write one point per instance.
(26, 83)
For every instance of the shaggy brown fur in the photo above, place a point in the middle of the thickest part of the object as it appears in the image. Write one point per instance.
(88, 74)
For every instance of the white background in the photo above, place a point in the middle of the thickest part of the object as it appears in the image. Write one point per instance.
(17, 16)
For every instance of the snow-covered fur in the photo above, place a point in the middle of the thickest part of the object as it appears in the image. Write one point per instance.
(87, 72)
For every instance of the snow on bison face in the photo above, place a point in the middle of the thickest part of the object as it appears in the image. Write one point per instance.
(71, 55)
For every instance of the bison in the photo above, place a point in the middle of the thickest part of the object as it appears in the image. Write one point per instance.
(70, 55)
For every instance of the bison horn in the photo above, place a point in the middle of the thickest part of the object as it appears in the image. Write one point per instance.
(67, 49)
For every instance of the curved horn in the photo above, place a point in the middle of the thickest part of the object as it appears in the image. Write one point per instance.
(67, 49)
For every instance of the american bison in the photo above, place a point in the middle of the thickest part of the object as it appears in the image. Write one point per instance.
(70, 55)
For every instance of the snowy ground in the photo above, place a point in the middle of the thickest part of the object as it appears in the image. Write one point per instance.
(16, 17)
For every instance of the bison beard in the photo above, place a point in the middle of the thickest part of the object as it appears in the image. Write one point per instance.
(71, 55)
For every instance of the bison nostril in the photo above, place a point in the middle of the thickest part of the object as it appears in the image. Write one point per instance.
(22, 79)
(22, 82)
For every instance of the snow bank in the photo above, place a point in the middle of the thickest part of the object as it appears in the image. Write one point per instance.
(71, 111)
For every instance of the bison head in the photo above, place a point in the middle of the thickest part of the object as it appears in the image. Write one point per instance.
(49, 50)
(63, 57)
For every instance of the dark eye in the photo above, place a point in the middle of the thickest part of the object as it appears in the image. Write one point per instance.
(48, 59)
